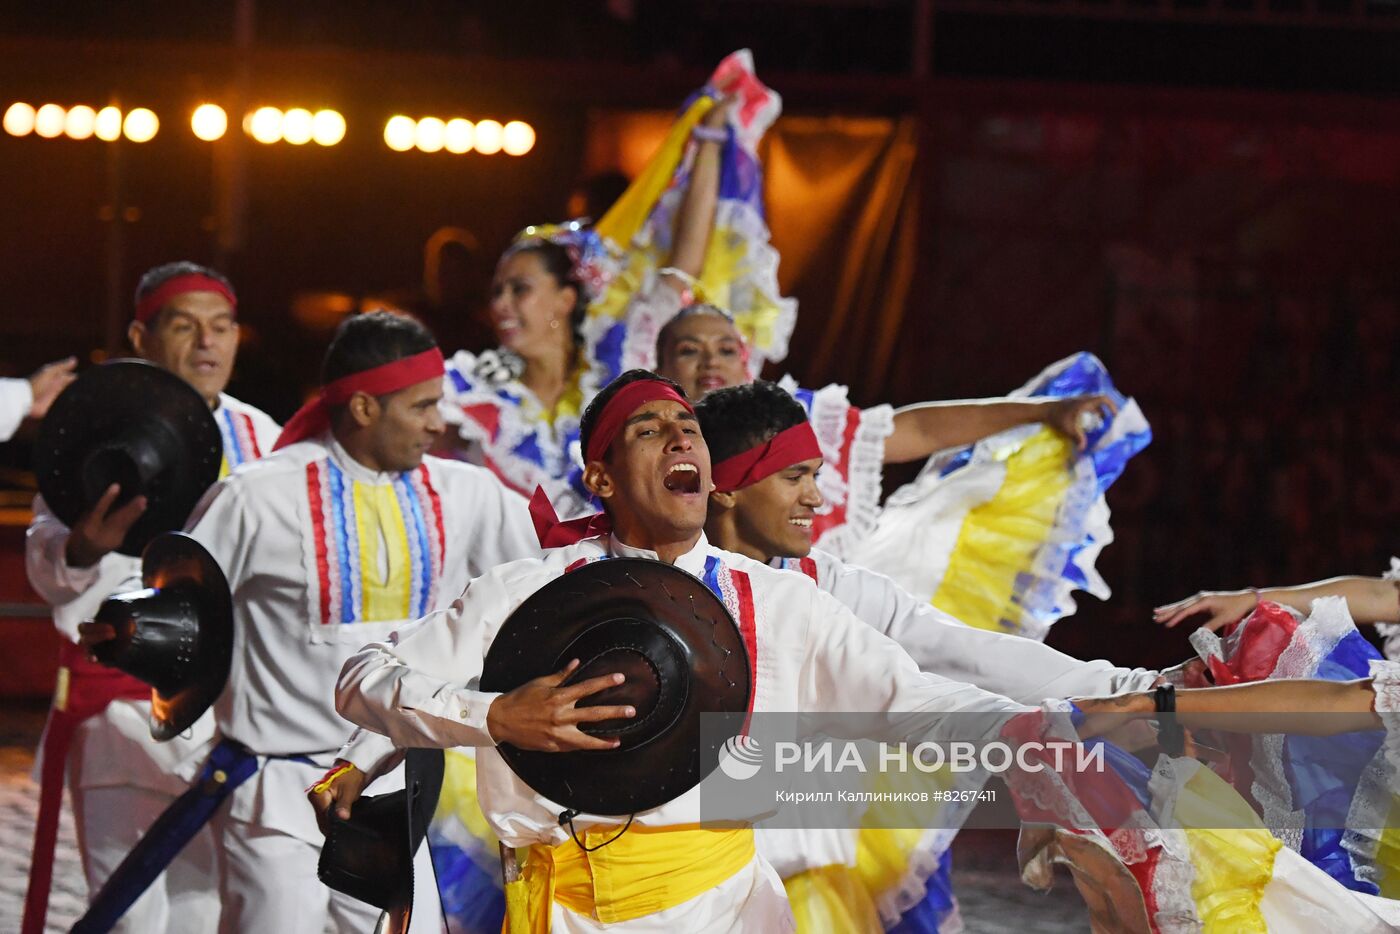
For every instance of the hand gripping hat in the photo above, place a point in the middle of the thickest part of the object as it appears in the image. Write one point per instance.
(369, 856)
(132, 423)
(176, 635)
(682, 655)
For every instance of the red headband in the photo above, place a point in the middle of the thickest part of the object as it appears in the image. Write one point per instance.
(147, 308)
(553, 533)
(314, 418)
(621, 406)
(788, 447)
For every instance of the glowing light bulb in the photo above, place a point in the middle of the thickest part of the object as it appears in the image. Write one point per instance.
(297, 126)
(140, 125)
(488, 137)
(19, 119)
(457, 136)
(209, 122)
(399, 133)
(264, 125)
(48, 121)
(108, 125)
(517, 138)
(429, 135)
(327, 127)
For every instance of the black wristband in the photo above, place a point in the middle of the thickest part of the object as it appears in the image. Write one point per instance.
(1170, 735)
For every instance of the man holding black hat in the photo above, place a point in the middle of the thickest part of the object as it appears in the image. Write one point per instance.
(345, 534)
(646, 460)
(121, 780)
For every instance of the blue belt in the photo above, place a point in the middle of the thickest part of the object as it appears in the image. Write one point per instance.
(229, 765)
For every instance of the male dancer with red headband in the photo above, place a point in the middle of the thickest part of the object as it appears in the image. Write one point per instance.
(338, 538)
(121, 780)
(766, 459)
(646, 460)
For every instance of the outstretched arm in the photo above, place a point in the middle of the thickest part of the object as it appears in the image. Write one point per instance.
(1369, 599)
(696, 217)
(1301, 706)
(923, 429)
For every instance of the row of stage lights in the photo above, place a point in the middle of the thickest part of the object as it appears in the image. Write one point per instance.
(297, 126)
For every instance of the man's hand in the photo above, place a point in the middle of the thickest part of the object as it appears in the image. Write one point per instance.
(543, 714)
(1220, 609)
(342, 793)
(91, 635)
(102, 529)
(1067, 415)
(50, 380)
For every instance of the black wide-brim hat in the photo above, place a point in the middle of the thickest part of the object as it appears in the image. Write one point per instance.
(681, 653)
(369, 856)
(176, 635)
(132, 423)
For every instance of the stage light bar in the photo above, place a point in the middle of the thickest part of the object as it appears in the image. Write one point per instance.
(458, 135)
(297, 126)
(79, 122)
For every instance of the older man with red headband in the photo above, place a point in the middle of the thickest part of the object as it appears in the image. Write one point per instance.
(185, 322)
(646, 460)
(339, 538)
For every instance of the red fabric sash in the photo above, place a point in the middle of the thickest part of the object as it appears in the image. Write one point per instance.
(149, 306)
(554, 533)
(85, 688)
(788, 447)
(314, 418)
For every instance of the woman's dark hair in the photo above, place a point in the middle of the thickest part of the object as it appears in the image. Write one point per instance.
(663, 336)
(363, 342)
(739, 418)
(157, 276)
(560, 265)
(594, 410)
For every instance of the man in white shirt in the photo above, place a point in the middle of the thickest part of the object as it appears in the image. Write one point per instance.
(344, 535)
(766, 460)
(30, 398)
(647, 462)
(121, 780)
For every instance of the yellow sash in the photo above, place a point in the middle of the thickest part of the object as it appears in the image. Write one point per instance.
(643, 871)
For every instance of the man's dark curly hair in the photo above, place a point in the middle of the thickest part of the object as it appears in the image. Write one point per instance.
(738, 418)
(594, 410)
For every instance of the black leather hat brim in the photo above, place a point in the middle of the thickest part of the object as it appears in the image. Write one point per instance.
(96, 410)
(385, 831)
(637, 776)
(175, 559)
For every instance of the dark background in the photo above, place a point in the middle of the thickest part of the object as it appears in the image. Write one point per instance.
(1205, 194)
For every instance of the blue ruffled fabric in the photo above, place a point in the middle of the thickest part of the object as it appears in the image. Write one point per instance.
(1323, 772)
(472, 901)
(938, 904)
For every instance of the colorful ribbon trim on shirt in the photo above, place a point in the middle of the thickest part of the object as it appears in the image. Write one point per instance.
(786, 448)
(150, 306)
(313, 418)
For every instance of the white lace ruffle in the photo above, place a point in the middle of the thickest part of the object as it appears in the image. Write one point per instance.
(1315, 638)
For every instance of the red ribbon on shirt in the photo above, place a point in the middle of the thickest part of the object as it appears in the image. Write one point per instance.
(148, 307)
(314, 418)
(790, 446)
(554, 533)
(85, 689)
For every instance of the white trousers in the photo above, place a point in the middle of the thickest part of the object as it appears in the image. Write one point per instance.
(184, 899)
(267, 882)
